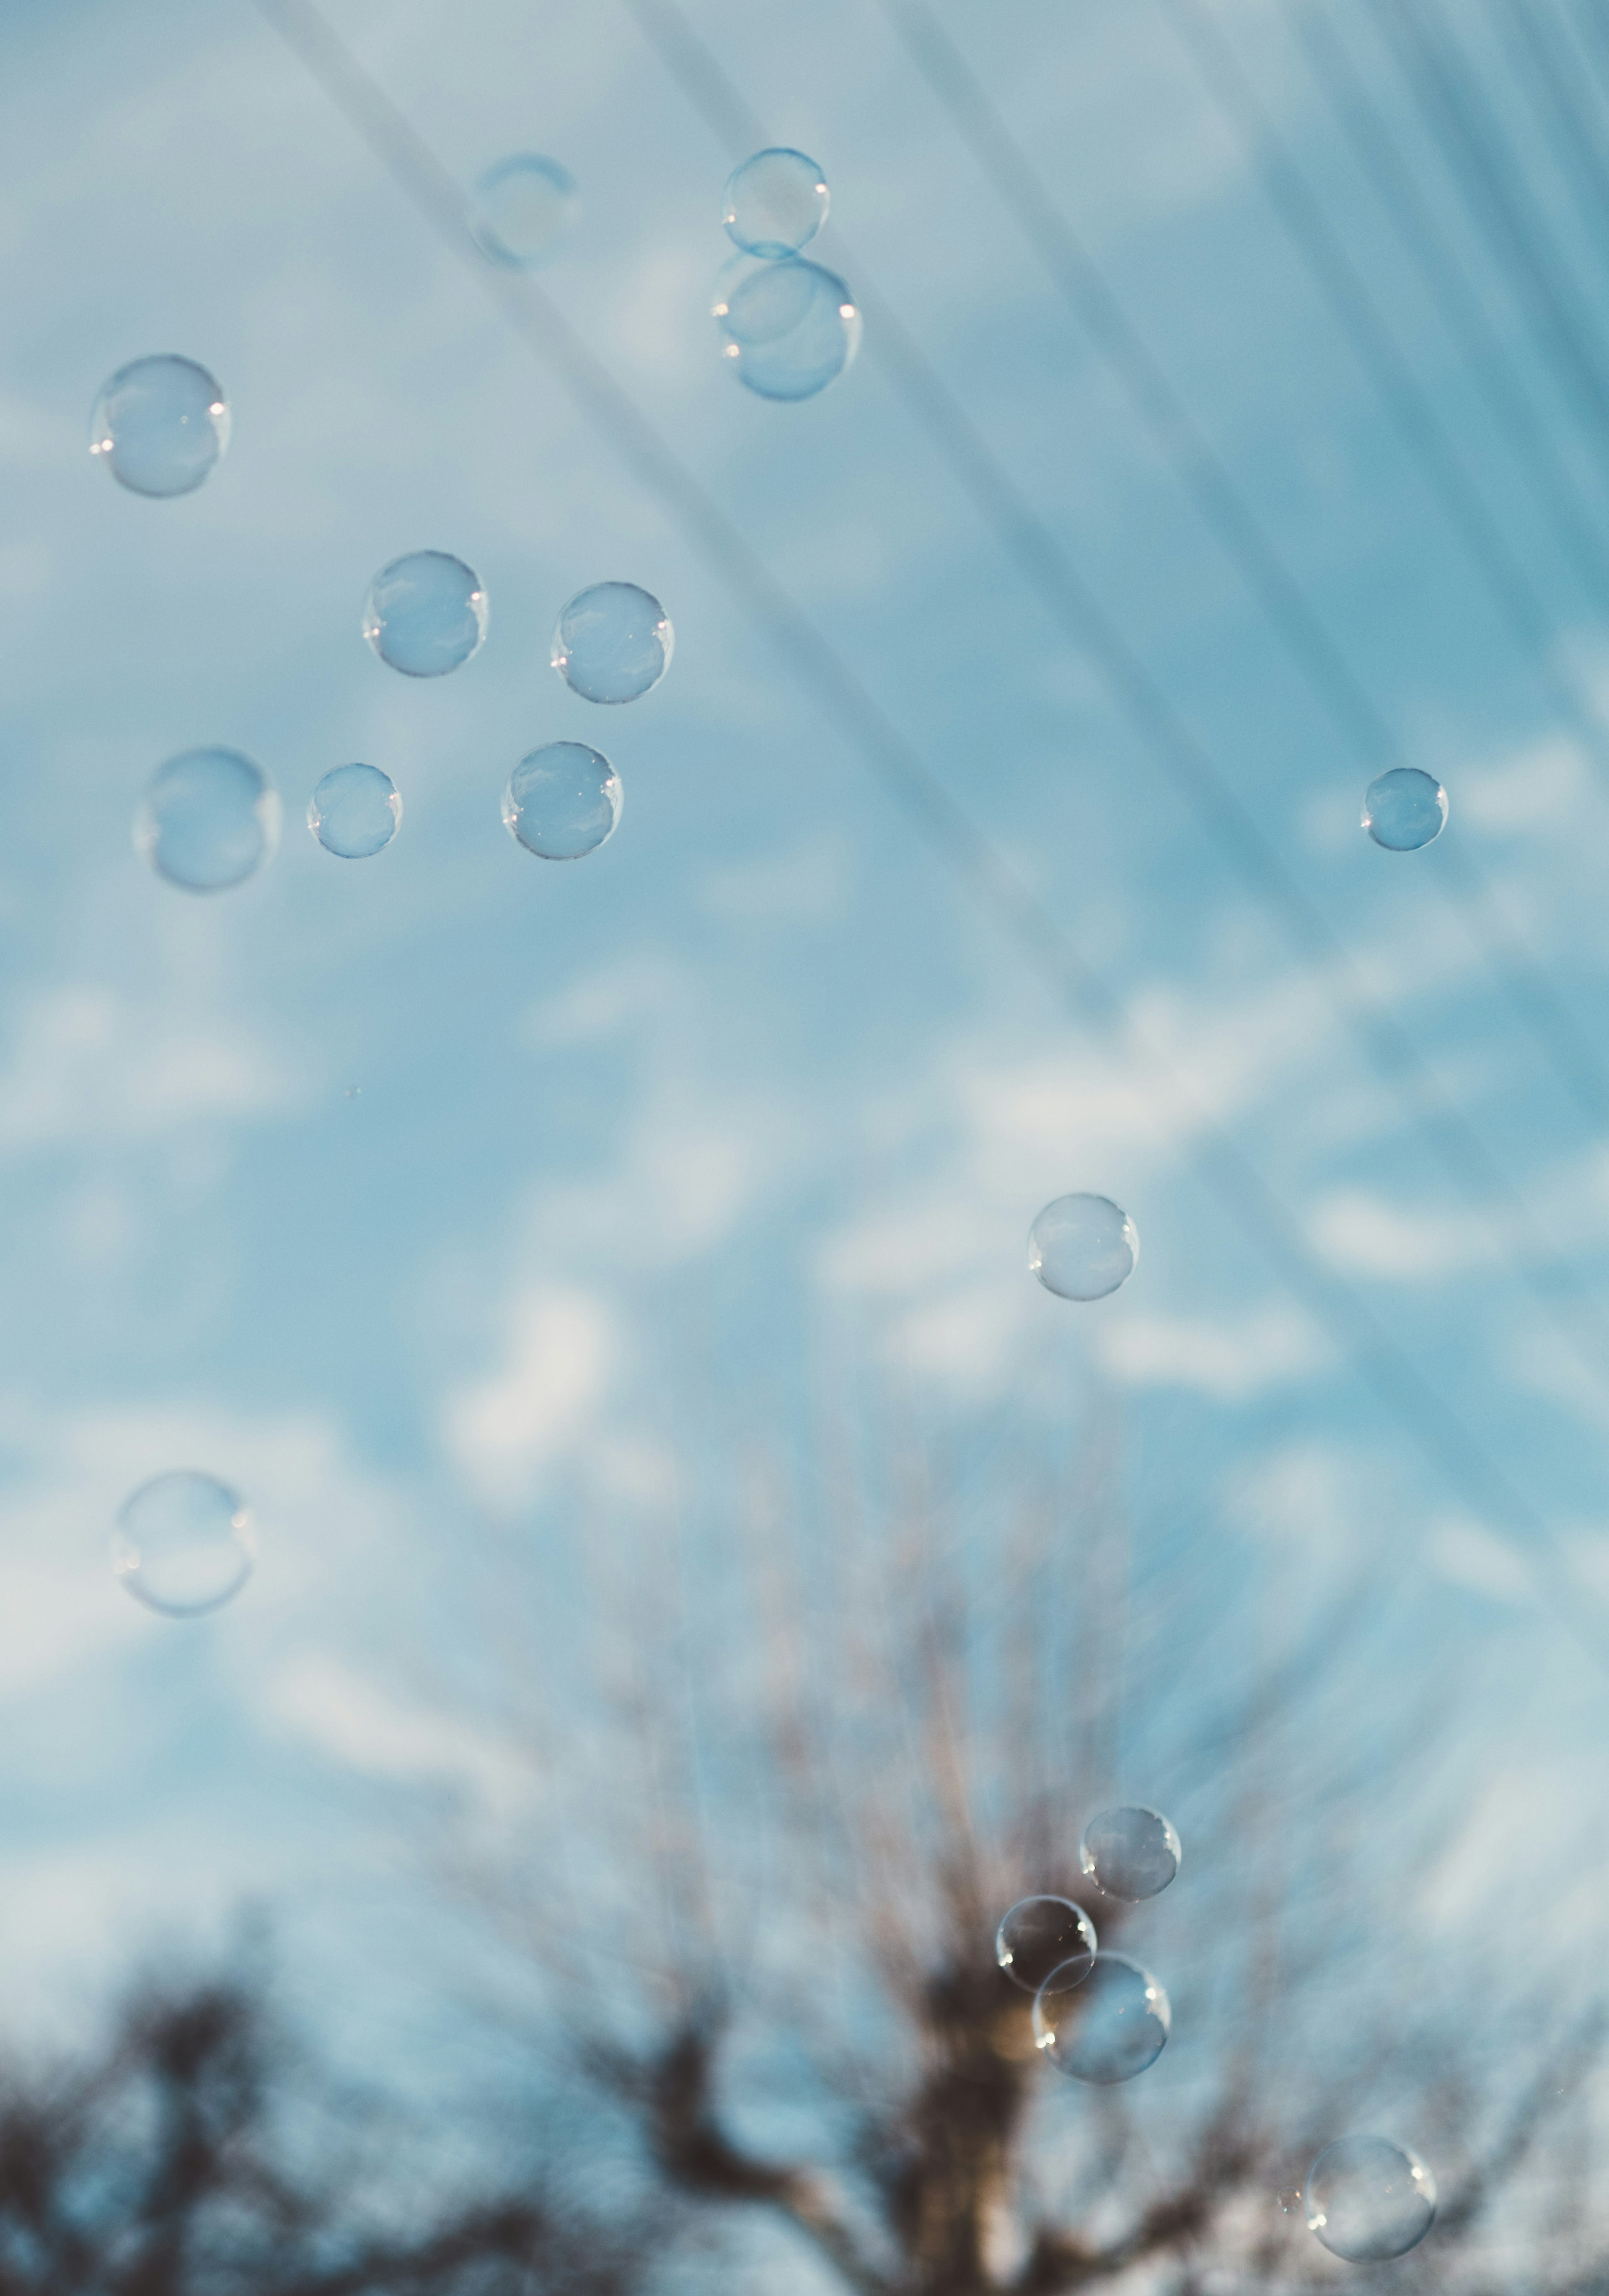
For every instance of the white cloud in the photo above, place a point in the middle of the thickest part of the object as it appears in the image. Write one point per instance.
(1229, 1361)
(1472, 1556)
(504, 1430)
(367, 1729)
(1356, 1230)
(802, 887)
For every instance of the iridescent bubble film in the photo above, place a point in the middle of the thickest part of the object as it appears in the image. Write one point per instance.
(208, 819)
(1082, 1247)
(425, 614)
(1107, 2027)
(354, 811)
(160, 424)
(561, 801)
(184, 1543)
(1405, 809)
(774, 203)
(1042, 1936)
(525, 209)
(1131, 1853)
(791, 327)
(1369, 2198)
(613, 642)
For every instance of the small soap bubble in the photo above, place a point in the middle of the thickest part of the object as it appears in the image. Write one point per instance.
(791, 327)
(1131, 1853)
(1082, 1247)
(774, 203)
(1405, 809)
(1106, 2027)
(355, 811)
(159, 425)
(1291, 2204)
(613, 642)
(184, 1543)
(525, 209)
(354, 1091)
(561, 801)
(425, 614)
(1368, 2199)
(1042, 1938)
(208, 820)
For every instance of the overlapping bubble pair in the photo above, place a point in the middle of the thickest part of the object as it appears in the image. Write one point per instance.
(790, 327)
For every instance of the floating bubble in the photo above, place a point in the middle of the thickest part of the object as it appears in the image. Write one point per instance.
(355, 811)
(1082, 1247)
(425, 614)
(354, 1091)
(1368, 2199)
(561, 801)
(1106, 2026)
(791, 327)
(208, 819)
(1042, 1938)
(1404, 809)
(613, 642)
(774, 203)
(1290, 2204)
(159, 425)
(525, 209)
(1131, 1853)
(184, 1543)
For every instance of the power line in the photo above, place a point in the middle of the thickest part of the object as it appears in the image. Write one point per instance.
(1390, 1372)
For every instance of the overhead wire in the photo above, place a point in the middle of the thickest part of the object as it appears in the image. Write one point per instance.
(1043, 560)
(1388, 1370)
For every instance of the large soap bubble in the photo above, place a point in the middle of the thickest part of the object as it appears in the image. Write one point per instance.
(1106, 2025)
(1404, 809)
(1131, 1853)
(613, 642)
(791, 327)
(425, 614)
(525, 209)
(355, 811)
(208, 820)
(562, 801)
(774, 203)
(159, 425)
(1042, 1937)
(184, 1543)
(1368, 2199)
(1082, 1247)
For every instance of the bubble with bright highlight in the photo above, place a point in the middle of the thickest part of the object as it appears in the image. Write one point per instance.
(1131, 1853)
(425, 614)
(1405, 809)
(562, 801)
(1368, 2199)
(355, 811)
(1082, 1247)
(791, 327)
(1107, 2027)
(184, 1543)
(613, 642)
(774, 203)
(1044, 1936)
(160, 424)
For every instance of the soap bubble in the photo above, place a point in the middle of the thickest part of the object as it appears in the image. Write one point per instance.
(161, 424)
(184, 1543)
(791, 327)
(774, 203)
(613, 642)
(355, 811)
(525, 209)
(1106, 2028)
(1082, 1247)
(561, 801)
(1368, 2199)
(425, 614)
(1044, 1936)
(208, 819)
(1131, 1853)
(1291, 2204)
(1404, 809)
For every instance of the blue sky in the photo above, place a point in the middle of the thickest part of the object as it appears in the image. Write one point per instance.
(641, 1141)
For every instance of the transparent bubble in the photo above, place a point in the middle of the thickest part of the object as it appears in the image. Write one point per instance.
(561, 801)
(1044, 1936)
(791, 327)
(613, 642)
(1131, 1853)
(425, 614)
(1290, 2204)
(184, 1543)
(1106, 2027)
(354, 1091)
(355, 811)
(208, 820)
(1082, 1247)
(1368, 2199)
(774, 203)
(1405, 809)
(525, 209)
(159, 425)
